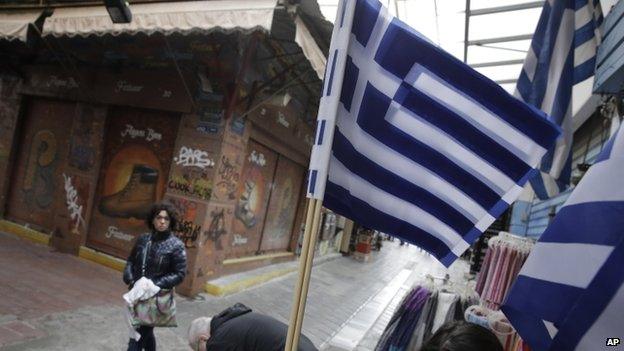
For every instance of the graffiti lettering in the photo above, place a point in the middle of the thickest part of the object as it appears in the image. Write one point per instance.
(216, 228)
(149, 135)
(197, 188)
(257, 158)
(184, 206)
(229, 177)
(281, 119)
(75, 210)
(124, 86)
(133, 132)
(188, 232)
(239, 240)
(193, 158)
(114, 232)
(57, 82)
(152, 135)
(206, 129)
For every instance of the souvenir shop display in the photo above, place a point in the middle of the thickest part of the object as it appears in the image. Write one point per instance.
(505, 255)
(422, 311)
(480, 246)
(478, 251)
(503, 260)
(498, 324)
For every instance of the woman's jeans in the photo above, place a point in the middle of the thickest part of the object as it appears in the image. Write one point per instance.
(147, 341)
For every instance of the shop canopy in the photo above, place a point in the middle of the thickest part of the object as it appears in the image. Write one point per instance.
(14, 25)
(179, 17)
(182, 17)
(310, 49)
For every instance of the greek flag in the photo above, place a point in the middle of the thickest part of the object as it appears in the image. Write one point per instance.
(562, 54)
(570, 293)
(412, 142)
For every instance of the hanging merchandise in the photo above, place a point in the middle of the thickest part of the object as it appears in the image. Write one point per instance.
(422, 311)
(478, 251)
(498, 324)
(503, 260)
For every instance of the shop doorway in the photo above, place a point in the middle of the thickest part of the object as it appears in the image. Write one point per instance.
(282, 208)
(266, 203)
(138, 150)
(36, 190)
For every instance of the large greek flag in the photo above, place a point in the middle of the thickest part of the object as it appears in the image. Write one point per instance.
(562, 54)
(418, 144)
(570, 293)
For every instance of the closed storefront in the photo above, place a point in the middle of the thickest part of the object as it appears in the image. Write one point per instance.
(135, 166)
(267, 203)
(282, 205)
(37, 179)
(254, 189)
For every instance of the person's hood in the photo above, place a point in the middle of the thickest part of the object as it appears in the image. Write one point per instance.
(236, 310)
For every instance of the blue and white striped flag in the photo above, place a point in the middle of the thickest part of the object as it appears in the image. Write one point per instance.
(562, 54)
(570, 293)
(414, 143)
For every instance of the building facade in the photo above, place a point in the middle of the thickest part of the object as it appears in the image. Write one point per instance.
(211, 109)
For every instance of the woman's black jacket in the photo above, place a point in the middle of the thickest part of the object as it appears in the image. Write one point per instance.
(165, 263)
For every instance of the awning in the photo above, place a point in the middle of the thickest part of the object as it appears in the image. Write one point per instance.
(181, 17)
(14, 24)
(310, 49)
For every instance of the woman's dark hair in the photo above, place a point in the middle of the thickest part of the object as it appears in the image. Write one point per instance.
(155, 210)
(462, 336)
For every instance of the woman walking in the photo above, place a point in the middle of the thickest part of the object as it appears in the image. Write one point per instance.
(158, 256)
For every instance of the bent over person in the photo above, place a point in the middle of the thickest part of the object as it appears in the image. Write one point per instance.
(157, 262)
(238, 328)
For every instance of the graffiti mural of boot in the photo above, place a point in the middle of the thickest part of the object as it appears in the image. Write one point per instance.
(243, 209)
(135, 199)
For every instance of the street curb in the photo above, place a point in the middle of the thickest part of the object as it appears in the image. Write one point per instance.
(257, 258)
(101, 258)
(221, 290)
(24, 232)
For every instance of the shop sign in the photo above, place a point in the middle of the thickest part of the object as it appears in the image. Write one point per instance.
(161, 89)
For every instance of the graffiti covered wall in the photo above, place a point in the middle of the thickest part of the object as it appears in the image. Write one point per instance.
(137, 155)
(9, 109)
(80, 177)
(37, 173)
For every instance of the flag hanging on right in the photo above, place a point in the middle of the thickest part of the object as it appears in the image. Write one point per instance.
(562, 54)
(569, 294)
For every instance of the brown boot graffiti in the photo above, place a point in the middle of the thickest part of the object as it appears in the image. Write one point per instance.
(135, 199)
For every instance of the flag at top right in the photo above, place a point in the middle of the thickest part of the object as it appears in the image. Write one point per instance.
(562, 54)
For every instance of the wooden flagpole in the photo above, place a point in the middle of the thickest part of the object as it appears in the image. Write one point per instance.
(307, 272)
(303, 259)
(340, 38)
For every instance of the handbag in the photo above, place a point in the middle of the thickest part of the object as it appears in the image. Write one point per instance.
(157, 311)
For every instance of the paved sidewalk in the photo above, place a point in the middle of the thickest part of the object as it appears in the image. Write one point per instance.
(364, 329)
(60, 302)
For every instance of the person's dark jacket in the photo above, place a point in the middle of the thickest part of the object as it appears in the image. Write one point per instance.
(165, 264)
(238, 328)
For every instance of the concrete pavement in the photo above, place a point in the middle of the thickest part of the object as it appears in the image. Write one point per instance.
(52, 301)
